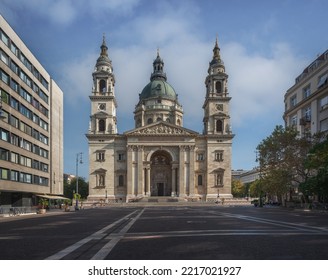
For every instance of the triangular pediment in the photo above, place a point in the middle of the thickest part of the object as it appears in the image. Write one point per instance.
(161, 129)
(101, 114)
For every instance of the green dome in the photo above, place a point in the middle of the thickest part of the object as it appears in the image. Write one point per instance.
(158, 88)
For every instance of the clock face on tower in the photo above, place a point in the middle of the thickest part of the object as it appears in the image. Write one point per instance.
(102, 106)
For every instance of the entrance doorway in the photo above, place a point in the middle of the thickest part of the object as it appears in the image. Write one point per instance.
(160, 174)
(160, 189)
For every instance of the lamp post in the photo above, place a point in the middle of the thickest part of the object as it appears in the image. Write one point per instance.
(78, 160)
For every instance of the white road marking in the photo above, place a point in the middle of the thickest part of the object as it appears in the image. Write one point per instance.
(97, 235)
(105, 250)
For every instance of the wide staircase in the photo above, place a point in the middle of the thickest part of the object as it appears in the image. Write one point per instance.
(169, 201)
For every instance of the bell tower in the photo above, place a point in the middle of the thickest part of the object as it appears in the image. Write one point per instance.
(216, 106)
(103, 102)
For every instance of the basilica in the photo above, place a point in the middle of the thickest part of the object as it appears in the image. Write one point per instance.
(159, 157)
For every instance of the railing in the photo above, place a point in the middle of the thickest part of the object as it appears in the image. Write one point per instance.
(6, 211)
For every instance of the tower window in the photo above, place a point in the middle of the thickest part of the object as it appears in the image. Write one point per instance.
(218, 87)
(100, 156)
(219, 126)
(102, 86)
(120, 180)
(218, 155)
(200, 180)
(102, 125)
(121, 156)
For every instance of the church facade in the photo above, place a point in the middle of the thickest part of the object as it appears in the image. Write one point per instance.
(159, 157)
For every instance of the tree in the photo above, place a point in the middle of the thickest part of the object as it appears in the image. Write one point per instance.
(238, 189)
(282, 159)
(70, 188)
(317, 165)
(255, 188)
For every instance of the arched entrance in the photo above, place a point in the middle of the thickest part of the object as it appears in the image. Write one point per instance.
(160, 174)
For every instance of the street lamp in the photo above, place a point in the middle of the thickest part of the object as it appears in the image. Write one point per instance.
(78, 160)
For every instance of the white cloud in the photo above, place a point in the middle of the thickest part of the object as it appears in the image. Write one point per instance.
(258, 83)
(66, 11)
(76, 78)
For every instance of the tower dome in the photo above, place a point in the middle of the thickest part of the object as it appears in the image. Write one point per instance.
(158, 86)
(158, 100)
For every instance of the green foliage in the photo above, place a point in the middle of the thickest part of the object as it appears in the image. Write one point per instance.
(255, 188)
(43, 202)
(70, 189)
(283, 160)
(317, 164)
(238, 189)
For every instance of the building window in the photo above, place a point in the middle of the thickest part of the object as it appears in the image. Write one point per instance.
(100, 156)
(121, 156)
(200, 157)
(25, 178)
(293, 120)
(306, 91)
(4, 174)
(218, 155)
(14, 157)
(4, 77)
(102, 125)
(322, 80)
(4, 57)
(4, 135)
(14, 175)
(307, 114)
(218, 87)
(4, 154)
(324, 102)
(149, 121)
(200, 180)
(219, 126)
(120, 180)
(102, 86)
(293, 101)
(4, 37)
(324, 125)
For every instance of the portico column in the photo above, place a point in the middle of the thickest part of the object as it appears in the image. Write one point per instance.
(182, 187)
(174, 187)
(141, 180)
(148, 182)
(129, 183)
(192, 171)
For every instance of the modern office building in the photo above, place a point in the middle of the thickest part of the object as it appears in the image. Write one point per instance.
(159, 157)
(306, 102)
(31, 125)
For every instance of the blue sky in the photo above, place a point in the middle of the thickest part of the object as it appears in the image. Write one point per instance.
(264, 45)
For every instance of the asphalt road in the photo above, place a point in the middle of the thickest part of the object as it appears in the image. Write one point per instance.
(167, 233)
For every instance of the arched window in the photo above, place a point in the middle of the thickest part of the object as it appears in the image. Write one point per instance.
(200, 180)
(168, 120)
(120, 181)
(102, 125)
(219, 126)
(102, 86)
(149, 121)
(218, 87)
(159, 119)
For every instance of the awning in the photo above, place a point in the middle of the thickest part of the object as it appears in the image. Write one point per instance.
(48, 196)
